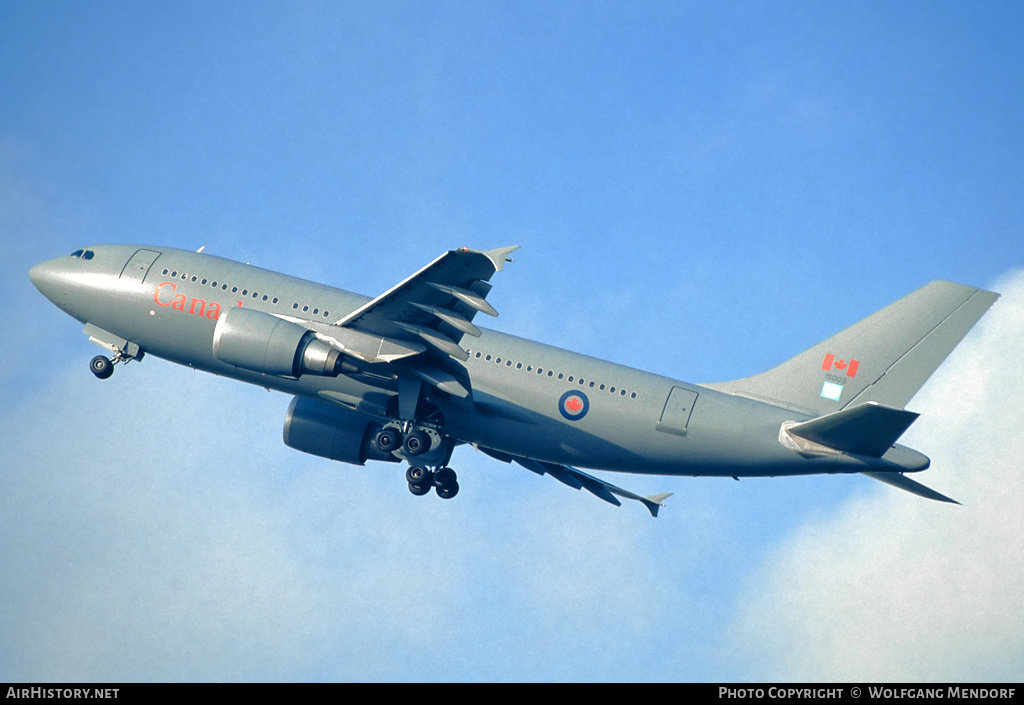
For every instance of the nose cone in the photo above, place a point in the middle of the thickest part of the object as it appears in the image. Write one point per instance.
(42, 276)
(46, 278)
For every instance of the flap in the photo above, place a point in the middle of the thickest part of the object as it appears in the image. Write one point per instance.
(581, 480)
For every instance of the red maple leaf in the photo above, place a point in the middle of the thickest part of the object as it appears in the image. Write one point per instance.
(831, 362)
(573, 404)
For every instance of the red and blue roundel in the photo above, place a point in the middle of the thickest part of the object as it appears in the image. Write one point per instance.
(574, 405)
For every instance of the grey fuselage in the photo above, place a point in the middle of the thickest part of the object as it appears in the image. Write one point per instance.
(168, 304)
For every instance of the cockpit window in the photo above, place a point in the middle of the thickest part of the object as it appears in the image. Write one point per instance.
(83, 254)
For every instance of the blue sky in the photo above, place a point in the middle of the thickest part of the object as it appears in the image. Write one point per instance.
(699, 189)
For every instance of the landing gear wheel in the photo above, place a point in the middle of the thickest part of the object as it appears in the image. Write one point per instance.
(416, 475)
(448, 491)
(445, 476)
(419, 489)
(446, 483)
(388, 440)
(416, 443)
(420, 480)
(101, 367)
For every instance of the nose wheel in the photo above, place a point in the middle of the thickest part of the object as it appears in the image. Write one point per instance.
(101, 366)
(443, 480)
(124, 352)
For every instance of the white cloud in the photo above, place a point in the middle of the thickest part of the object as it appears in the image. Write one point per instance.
(898, 588)
(153, 527)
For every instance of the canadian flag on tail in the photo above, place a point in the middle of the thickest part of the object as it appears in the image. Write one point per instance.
(841, 366)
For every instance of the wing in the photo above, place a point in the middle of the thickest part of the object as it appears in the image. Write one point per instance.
(426, 316)
(436, 305)
(577, 480)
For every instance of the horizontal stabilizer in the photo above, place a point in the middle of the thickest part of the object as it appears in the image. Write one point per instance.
(905, 483)
(867, 429)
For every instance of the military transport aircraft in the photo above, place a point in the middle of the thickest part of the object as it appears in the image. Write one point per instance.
(408, 375)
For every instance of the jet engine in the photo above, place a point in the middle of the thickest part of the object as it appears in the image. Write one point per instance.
(331, 431)
(258, 341)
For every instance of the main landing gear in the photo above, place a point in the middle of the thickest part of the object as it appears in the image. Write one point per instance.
(423, 448)
(443, 480)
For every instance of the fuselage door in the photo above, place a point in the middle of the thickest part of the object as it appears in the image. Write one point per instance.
(138, 266)
(676, 415)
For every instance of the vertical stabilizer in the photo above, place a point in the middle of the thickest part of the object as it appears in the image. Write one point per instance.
(885, 358)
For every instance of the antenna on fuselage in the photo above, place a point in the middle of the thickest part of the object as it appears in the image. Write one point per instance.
(200, 249)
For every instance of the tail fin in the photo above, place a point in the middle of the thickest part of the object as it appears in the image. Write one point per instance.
(885, 358)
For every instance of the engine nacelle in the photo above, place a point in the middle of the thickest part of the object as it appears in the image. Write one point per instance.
(331, 431)
(258, 341)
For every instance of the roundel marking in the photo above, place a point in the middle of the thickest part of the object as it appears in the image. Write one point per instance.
(574, 405)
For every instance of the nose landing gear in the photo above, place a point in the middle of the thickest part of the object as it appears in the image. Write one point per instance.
(123, 351)
(101, 366)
